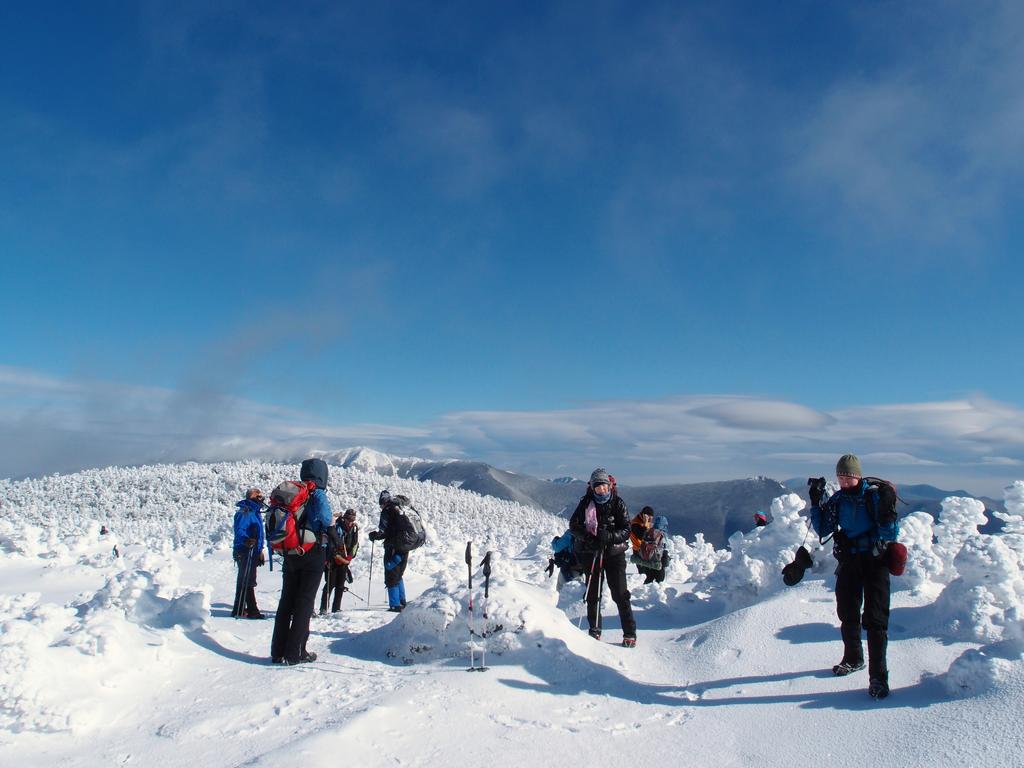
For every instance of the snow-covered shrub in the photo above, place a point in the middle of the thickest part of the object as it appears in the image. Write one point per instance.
(987, 594)
(436, 625)
(958, 522)
(692, 562)
(924, 564)
(753, 567)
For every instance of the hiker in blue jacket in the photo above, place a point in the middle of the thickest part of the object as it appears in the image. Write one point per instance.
(248, 553)
(862, 522)
(300, 574)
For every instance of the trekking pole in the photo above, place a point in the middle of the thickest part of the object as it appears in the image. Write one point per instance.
(469, 616)
(346, 590)
(370, 582)
(586, 592)
(486, 564)
(600, 591)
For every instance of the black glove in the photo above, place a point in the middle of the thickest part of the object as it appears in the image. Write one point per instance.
(250, 542)
(550, 570)
(817, 490)
(348, 575)
(603, 537)
(375, 536)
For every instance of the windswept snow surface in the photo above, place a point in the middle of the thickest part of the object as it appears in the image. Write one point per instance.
(133, 660)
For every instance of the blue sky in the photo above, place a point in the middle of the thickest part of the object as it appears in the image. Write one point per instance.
(692, 242)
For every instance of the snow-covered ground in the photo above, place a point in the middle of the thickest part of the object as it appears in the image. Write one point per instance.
(133, 660)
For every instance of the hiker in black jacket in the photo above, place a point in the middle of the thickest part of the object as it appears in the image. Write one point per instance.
(600, 527)
(388, 529)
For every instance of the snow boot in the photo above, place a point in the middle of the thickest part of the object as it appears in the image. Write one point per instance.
(595, 633)
(394, 598)
(629, 642)
(252, 610)
(305, 658)
(878, 689)
(844, 668)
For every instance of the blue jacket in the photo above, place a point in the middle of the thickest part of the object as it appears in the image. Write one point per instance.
(318, 512)
(248, 524)
(847, 512)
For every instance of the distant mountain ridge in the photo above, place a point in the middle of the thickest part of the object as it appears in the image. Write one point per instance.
(716, 509)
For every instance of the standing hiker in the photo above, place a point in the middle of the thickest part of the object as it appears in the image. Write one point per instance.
(600, 527)
(248, 553)
(338, 570)
(401, 530)
(301, 572)
(861, 517)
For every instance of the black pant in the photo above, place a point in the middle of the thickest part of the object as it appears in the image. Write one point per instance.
(245, 583)
(863, 579)
(299, 581)
(335, 578)
(615, 574)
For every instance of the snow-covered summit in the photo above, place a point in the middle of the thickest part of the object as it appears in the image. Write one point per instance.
(118, 656)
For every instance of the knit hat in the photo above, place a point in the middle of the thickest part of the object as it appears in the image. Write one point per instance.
(350, 514)
(384, 498)
(849, 465)
(598, 476)
(647, 511)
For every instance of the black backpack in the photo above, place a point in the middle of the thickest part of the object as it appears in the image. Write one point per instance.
(885, 513)
(408, 532)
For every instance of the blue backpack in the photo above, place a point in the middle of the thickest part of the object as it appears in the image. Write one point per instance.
(562, 548)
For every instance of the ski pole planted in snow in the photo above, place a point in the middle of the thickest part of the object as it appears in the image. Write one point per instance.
(486, 564)
(370, 582)
(469, 616)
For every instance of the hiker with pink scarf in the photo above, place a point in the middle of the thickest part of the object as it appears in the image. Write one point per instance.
(600, 528)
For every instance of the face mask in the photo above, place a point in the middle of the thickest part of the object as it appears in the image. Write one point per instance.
(601, 498)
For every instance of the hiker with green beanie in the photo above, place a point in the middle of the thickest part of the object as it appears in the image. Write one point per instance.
(861, 519)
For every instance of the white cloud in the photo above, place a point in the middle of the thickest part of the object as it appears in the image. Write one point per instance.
(74, 424)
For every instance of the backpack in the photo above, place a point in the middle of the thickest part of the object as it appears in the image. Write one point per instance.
(562, 551)
(286, 518)
(652, 545)
(408, 532)
(886, 513)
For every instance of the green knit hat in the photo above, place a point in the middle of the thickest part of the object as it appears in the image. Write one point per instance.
(849, 465)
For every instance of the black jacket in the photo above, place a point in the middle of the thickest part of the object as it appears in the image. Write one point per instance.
(387, 524)
(612, 520)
